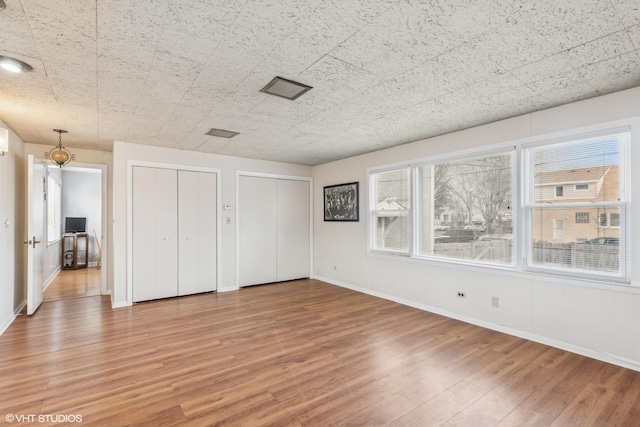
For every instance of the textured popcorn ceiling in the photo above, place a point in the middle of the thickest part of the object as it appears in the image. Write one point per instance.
(384, 72)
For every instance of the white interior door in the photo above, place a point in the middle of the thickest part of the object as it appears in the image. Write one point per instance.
(197, 232)
(155, 232)
(293, 249)
(257, 231)
(36, 185)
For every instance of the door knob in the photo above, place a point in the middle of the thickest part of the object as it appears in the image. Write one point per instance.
(32, 242)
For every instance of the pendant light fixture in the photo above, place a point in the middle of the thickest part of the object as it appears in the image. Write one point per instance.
(60, 155)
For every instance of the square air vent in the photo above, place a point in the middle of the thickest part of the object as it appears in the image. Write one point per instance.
(285, 88)
(222, 133)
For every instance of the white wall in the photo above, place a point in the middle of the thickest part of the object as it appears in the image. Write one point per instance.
(124, 153)
(599, 320)
(82, 197)
(12, 230)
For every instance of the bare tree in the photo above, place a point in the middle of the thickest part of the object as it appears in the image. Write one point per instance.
(493, 195)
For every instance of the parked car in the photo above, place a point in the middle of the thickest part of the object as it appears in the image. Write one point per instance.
(604, 241)
(475, 226)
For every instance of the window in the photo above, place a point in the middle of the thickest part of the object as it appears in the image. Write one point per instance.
(464, 209)
(558, 245)
(609, 219)
(558, 229)
(571, 208)
(54, 210)
(391, 203)
(582, 217)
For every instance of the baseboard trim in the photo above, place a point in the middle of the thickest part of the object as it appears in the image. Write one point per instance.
(12, 317)
(583, 351)
(51, 278)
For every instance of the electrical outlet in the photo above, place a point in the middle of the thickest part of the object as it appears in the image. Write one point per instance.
(495, 302)
(336, 268)
(462, 294)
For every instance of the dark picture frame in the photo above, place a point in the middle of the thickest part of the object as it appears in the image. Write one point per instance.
(342, 202)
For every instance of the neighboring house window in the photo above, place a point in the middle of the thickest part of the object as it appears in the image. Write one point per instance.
(54, 209)
(559, 191)
(558, 229)
(390, 210)
(477, 191)
(553, 243)
(609, 219)
(582, 186)
(582, 217)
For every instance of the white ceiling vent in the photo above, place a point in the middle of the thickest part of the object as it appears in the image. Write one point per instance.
(222, 133)
(285, 88)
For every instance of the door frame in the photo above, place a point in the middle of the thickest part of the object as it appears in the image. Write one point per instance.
(238, 208)
(172, 166)
(104, 243)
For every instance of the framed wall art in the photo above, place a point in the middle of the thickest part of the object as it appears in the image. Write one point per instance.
(341, 202)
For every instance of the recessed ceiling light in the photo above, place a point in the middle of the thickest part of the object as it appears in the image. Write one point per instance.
(14, 65)
(222, 133)
(285, 88)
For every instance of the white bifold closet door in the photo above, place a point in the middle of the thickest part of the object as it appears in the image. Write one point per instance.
(155, 234)
(174, 233)
(293, 250)
(274, 230)
(197, 232)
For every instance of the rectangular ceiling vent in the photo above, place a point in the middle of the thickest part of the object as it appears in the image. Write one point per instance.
(222, 133)
(285, 88)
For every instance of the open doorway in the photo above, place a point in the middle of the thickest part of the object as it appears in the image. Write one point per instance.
(74, 229)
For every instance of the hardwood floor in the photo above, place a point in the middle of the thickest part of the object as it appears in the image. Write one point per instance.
(301, 353)
(84, 282)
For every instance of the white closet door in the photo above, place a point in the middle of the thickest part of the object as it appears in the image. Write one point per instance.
(257, 230)
(197, 233)
(293, 229)
(155, 245)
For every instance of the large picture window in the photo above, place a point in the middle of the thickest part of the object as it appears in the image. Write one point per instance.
(465, 209)
(594, 244)
(391, 204)
(558, 207)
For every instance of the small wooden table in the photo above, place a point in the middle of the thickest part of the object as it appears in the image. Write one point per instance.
(70, 258)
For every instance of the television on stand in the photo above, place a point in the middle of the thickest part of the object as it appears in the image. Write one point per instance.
(74, 224)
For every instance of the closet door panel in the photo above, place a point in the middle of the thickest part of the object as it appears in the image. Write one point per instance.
(154, 236)
(257, 230)
(167, 232)
(293, 229)
(197, 232)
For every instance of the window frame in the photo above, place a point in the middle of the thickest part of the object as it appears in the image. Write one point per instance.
(54, 226)
(529, 205)
(521, 213)
(373, 210)
(458, 158)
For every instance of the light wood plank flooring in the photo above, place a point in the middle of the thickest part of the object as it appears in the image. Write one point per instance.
(84, 282)
(301, 353)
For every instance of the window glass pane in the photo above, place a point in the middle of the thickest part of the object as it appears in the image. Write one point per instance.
(583, 246)
(391, 211)
(591, 166)
(465, 209)
(588, 170)
(582, 217)
(53, 209)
